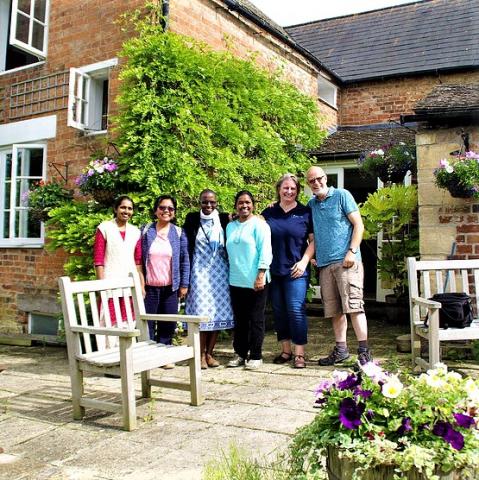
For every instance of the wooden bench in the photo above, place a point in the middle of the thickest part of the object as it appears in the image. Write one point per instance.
(95, 345)
(439, 276)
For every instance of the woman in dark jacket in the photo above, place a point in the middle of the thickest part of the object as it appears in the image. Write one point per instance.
(209, 289)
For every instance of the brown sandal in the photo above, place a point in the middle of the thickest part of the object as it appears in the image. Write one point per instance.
(283, 357)
(299, 361)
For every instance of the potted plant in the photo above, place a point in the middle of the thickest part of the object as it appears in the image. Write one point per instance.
(390, 163)
(459, 175)
(100, 179)
(392, 211)
(44, 196)
(376, 425)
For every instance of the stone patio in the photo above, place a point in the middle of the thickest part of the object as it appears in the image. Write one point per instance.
(258, 411)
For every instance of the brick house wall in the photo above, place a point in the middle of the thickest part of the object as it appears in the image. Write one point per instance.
(372, 102)
(77, 38)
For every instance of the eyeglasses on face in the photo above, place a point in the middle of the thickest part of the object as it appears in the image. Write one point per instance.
(315, 179)
(209, 202)
(165, 208)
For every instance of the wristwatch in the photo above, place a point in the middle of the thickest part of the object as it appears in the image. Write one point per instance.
(354, 250)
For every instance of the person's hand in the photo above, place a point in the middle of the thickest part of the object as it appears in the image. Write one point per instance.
(182, 292)
(259, 282)
(143, 292)
(298, 269)
(349, 259)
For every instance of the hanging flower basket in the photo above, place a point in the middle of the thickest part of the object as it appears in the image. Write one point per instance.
(104, 197)
(390, 163)
(39, 214)
(459, 175)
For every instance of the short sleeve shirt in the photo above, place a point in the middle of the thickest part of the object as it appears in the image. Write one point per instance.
(289, 235)
(332, 228)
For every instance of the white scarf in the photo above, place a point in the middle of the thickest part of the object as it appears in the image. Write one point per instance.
(216, 236)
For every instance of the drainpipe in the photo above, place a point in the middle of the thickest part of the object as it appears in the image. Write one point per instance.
(165, 14)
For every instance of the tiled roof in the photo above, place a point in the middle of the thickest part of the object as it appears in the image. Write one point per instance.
(419, 37)
(355, 140)
(449, 98)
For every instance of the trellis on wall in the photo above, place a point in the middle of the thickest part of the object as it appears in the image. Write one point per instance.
(39, 95)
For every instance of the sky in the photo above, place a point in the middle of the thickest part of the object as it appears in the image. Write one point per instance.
(292, 12)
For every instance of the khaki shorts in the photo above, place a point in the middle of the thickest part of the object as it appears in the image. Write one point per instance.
(342, 289)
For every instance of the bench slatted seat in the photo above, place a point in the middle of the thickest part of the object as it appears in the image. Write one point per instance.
(426, 278)
(97, 344)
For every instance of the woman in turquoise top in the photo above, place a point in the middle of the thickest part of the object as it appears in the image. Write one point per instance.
(249, 250)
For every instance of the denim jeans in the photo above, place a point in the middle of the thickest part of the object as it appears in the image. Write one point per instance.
(161, 300)
(288, 299)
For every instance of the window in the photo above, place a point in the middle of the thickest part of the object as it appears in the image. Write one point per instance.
(20, 167)
(327, 91)
(88, 97)
(23, 32)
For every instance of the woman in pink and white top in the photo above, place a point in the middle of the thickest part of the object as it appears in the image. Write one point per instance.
(166, 267)
(117, 248)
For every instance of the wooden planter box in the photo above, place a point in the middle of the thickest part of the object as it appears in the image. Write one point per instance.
(343, 469)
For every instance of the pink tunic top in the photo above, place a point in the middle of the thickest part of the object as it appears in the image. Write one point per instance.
(158, 268)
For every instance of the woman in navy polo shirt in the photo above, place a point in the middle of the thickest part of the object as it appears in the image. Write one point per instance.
(293, 247)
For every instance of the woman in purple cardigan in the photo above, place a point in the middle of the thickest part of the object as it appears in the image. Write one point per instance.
(166, 267)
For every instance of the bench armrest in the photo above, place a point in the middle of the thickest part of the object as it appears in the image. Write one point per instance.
(113, 332)
(173, 318)
(424, 302)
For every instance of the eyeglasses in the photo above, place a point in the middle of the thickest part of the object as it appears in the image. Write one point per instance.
(316, 179)
(209, 202)
(165, 208)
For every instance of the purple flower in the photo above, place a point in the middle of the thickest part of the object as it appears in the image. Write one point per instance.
(350, 413)
(451, 436)
(323, 386)
(349, 383)
(359, 392)
(369, 414)
(464, 421)
(405, 426)
(90, 172)
(111, 167)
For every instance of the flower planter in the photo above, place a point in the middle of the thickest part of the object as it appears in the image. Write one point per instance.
(459, 191)
(343, 469)
(104, 197)
(39, 214)
(388, 176)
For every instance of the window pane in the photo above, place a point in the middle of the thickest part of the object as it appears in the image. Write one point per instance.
(22, 28)
(22, 187)
(24, 6)
(26, 227)
(6, 200)
(30, 162)
(8, 166)
(40, 10)
(6, 225)
(38, 36)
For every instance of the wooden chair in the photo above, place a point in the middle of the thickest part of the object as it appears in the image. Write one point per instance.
(93, 345)
(439, 276)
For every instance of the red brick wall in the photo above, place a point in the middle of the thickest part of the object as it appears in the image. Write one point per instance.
(84, 33)
(379, 101)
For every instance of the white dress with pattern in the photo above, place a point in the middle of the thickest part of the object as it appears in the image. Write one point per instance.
(209, 292)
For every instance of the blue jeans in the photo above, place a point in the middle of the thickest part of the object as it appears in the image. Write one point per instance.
(288, 299)
(161, 300)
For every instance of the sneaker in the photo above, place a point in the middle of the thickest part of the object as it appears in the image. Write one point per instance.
(236, 362)
(336, 356)
(364, 356)
(253, 364)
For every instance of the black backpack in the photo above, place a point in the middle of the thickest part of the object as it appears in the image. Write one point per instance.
(456, 310)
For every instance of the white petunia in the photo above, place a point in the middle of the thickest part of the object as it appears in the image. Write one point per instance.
(435, 381)
(392, 388)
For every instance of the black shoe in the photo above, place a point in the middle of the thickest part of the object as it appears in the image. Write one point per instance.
(283, 357)
(336, 356)
(364, 356)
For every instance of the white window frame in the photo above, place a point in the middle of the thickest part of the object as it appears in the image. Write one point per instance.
(325, 85)
(85, 95)
(28, 47)
(11, 240)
